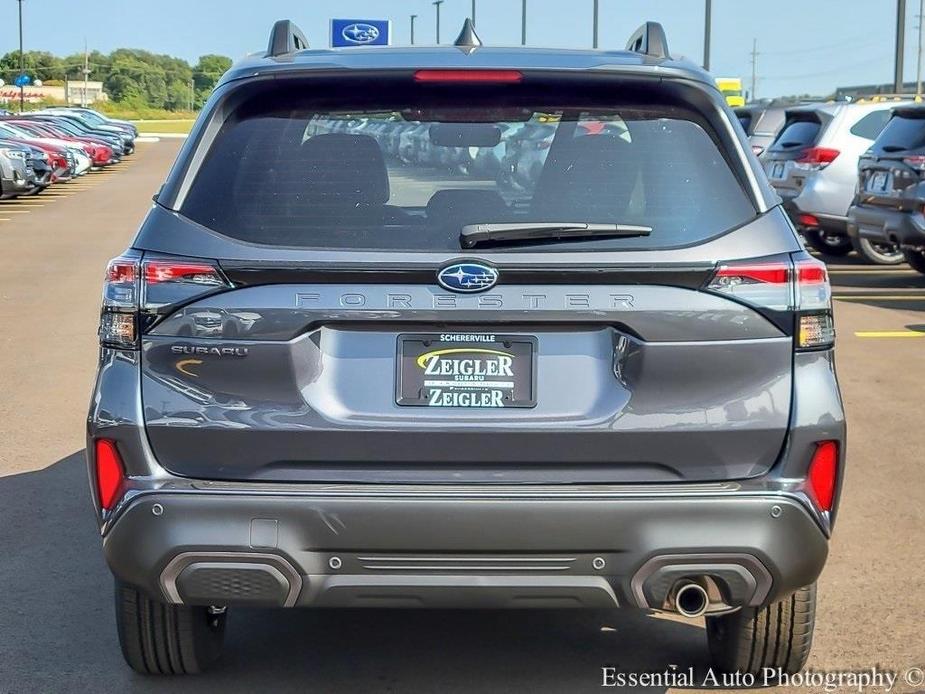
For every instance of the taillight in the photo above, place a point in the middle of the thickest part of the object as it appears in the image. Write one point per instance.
(136, 293)
(818, 157)
(916, 162)
(482, 76)
(823, 474)
(808, 220)
(170, 282)
(801, 286)
(119, 313)
(764, 284)
(110, 473)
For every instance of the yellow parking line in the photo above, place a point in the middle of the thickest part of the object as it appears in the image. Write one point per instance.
(4, 220)
(880, 297)
(15, 211)
(889, 333)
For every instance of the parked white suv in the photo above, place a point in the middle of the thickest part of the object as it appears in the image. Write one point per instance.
(813, 166)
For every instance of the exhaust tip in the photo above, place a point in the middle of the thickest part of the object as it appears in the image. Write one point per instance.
(691, 599)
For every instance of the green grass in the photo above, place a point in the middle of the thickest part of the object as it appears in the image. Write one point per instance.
(164, 126)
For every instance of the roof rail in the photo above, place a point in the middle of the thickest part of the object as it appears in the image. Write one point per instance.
(285, 37)
(649, 39)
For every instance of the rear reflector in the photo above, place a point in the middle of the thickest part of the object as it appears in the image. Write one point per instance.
(505, 76)
(110, 474)
(823, 474)
(808, 220)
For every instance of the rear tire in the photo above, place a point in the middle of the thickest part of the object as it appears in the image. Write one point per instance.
(162, 639)
(878, 253)
(828, 244)
(777, 636)
(916, 259)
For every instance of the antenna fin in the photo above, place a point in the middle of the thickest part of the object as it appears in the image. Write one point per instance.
(467, 37)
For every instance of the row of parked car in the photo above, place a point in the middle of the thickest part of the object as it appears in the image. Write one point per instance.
(851, 175)
(41, 148)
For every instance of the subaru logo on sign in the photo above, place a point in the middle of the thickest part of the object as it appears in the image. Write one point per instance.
(467, 277)
(360, 32)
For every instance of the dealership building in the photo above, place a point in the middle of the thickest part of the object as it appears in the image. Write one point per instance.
(73, 92)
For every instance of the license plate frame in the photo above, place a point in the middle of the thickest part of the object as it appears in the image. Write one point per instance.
(491, 388)
(879, 182)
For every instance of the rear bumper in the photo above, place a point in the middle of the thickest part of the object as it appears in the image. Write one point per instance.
(827, 222)
(466, 547)
(883, 224)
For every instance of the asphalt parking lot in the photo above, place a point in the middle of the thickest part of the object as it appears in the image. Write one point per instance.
(56, 626)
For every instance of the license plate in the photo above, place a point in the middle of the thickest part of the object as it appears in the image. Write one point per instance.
(777, 170)
(878, 182)
(469, 370)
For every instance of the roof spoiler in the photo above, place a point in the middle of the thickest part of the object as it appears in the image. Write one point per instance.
(286, 37)
(649, 39)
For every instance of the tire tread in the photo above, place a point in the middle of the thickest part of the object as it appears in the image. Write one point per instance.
(779, 635)
(162, 639)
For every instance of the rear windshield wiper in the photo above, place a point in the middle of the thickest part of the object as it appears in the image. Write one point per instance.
(476, 234)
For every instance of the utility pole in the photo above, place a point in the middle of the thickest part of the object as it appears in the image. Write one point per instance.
(707, 27)
(437, 4)
(523, 23)
(413, 17)
(192, 93)
(594, 25)
(918, 61)
(472, 15)
(22, 63)
(84, 100)
(900, 46)
(754, 95)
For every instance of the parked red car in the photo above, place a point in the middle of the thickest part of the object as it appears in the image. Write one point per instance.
(100, 153)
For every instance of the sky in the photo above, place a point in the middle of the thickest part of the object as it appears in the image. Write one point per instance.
(804, 46)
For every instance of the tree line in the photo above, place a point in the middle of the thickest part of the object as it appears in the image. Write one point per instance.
(132, 77)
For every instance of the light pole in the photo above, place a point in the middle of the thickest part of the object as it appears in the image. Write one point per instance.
(918, 61)
(523, 23)
(413, 17)
(437, 4)
(707, 26)
(22, 64)
(594, 25)
(900, 46)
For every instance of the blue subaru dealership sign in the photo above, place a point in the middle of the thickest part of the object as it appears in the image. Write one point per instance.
(360, 32)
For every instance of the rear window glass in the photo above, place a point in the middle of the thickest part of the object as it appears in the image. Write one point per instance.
(902, 133)
(870, 126)
(394, 177)
(745, 118)
(798, 133)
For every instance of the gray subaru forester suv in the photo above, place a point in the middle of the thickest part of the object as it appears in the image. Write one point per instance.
(333, 378)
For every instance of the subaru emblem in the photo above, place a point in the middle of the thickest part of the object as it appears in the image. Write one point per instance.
(360, 33)
(467, 277)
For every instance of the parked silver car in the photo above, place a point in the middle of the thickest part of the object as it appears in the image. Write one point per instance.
(813, 166)
(761, 122)
(16, 175)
